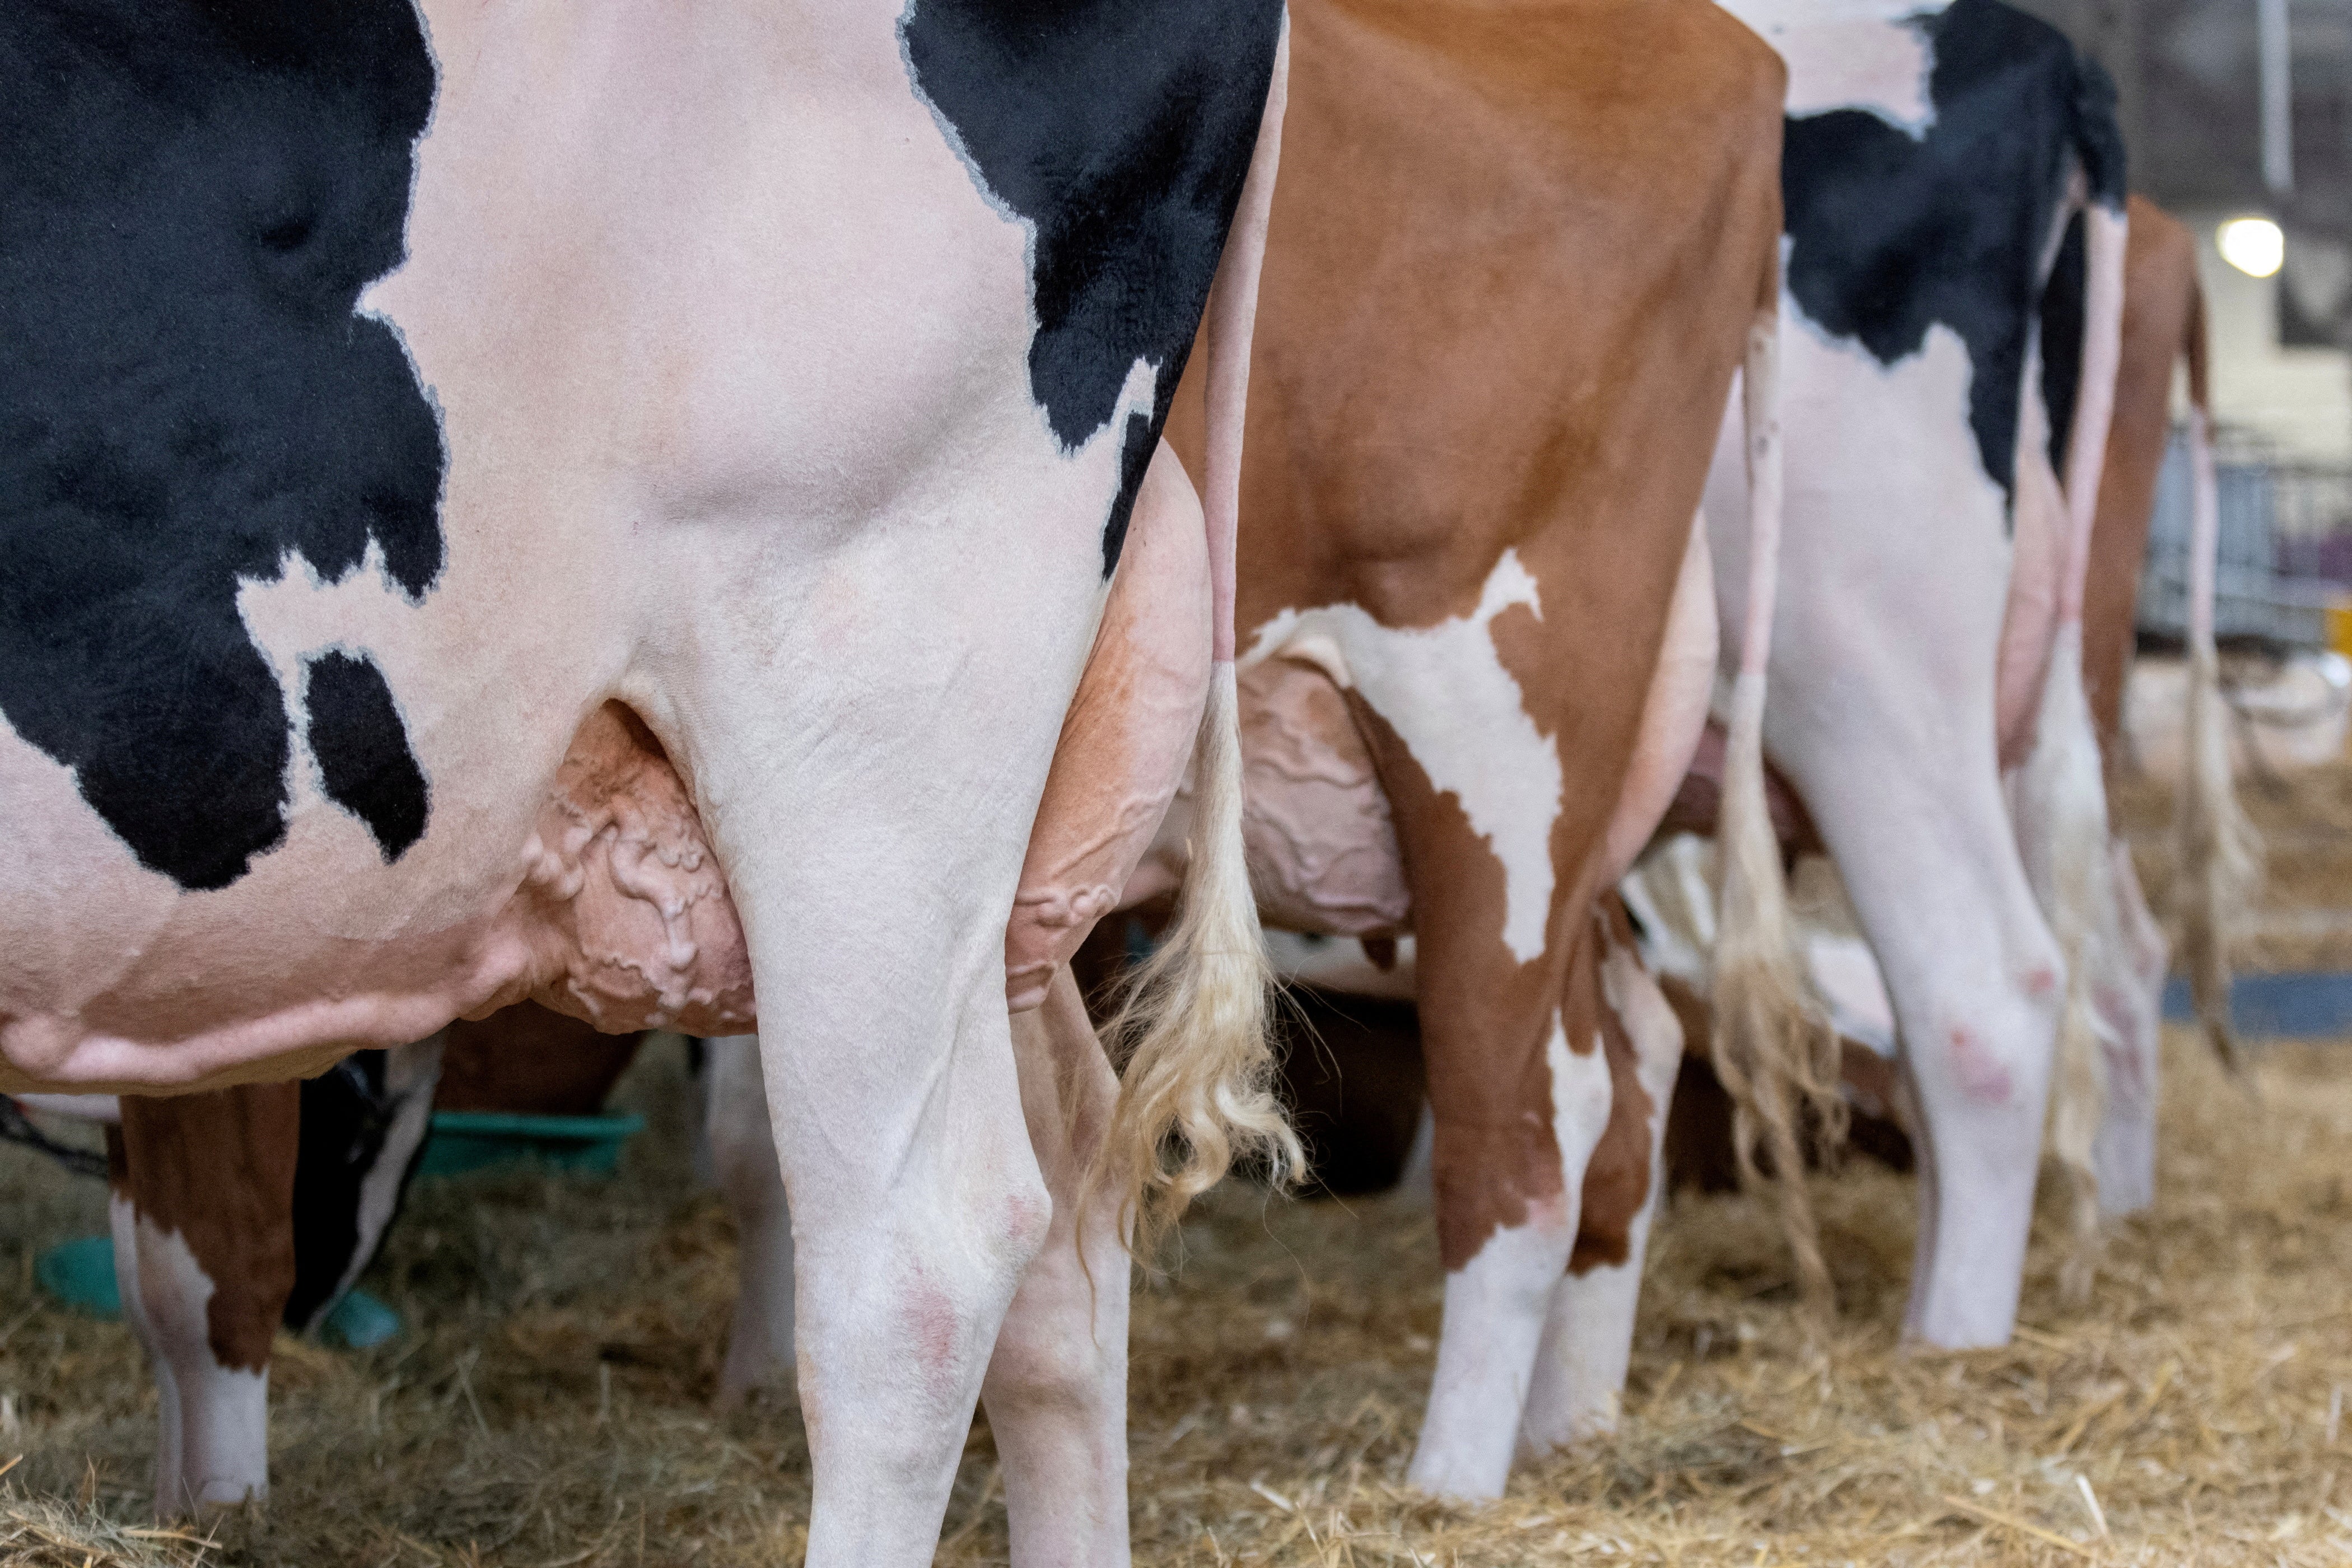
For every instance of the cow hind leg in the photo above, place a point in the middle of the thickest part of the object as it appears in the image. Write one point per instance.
(743, 1165)
(916, 1206)
(122, 1222)
(1515, 1131)
(1976, 982)
(872, 834)
(1588, 1337)
(2131, 1002)
(1056, 1388)
(202, 1213)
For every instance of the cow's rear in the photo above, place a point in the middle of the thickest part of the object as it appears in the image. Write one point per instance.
(613, 505)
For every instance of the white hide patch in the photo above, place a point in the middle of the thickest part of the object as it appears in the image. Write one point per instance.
(411, 1073)
(1445, 691)
(1582, 1095)
(223, 1445)
(1898, 434)
(1851, 54)
(1496, 1304)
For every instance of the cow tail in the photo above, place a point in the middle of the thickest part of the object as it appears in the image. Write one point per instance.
(1773, 1048)
(2216, 854)
(1196, 1092)
(2062, 790)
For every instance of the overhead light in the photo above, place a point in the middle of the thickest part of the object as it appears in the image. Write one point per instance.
(2255, 246)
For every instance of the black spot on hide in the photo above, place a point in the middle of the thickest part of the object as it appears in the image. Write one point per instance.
(193, 194)
(363, 749)
(1890, 234)
(348, 1113)
(1121, 132)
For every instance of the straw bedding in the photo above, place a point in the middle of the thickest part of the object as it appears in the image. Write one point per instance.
(549, 1403)
(2303, 920)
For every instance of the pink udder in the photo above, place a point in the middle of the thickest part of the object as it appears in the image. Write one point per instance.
(626, 914)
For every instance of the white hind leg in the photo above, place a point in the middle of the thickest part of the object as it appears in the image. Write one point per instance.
(868, 753)
(1057, 1390)
(1588, 1337)
(743, 1165)
(2130, 1000)
(1509, 1171)
(1976, 983)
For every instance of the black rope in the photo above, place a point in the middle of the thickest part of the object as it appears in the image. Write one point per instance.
(14, 1128)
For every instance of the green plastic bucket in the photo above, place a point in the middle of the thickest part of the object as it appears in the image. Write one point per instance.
(81, 1275)
(463, 1140)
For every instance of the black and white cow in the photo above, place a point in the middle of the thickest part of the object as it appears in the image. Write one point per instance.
(1953, 183)
(618, 505)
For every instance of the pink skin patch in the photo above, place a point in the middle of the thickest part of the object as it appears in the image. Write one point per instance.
(2040, 983)
(1980, 1075)
(1027, 1216)
(933, 1325)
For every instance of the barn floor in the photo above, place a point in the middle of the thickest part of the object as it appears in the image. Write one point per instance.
(549, 1405)
(2302, 919)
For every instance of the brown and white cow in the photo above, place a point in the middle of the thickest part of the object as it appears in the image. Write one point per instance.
(236, 1210)
(2216, 855)
(2164, 327)
(1515, 260)
(617, 507)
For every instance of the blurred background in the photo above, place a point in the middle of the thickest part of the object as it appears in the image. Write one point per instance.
(2238, 114)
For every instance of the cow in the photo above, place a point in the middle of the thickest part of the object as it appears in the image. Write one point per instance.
(282, 1194)
(1515, 262)
(645, 512)
(2157, 323)
(1936, 160)
(2162, 324)
(2217, 856)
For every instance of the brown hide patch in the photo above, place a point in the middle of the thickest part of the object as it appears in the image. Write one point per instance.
(1617, 1180)
(1511, 267)
(1485, 1018)
(526, 1060)
(217, 1170)
(2160, 312)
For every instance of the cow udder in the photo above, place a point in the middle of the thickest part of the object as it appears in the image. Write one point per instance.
(623, 905)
